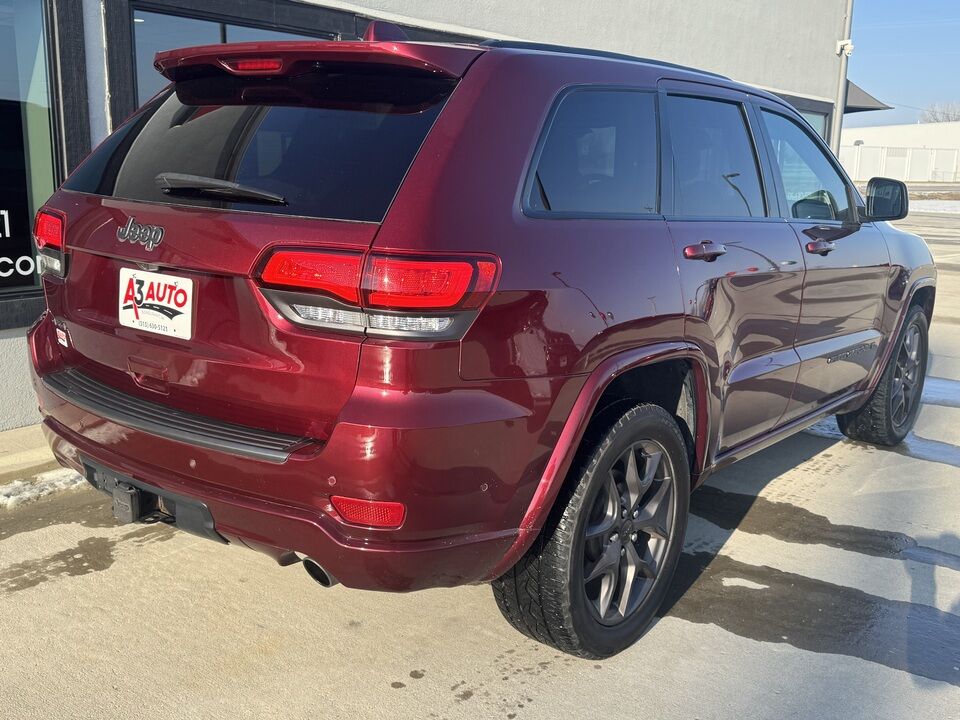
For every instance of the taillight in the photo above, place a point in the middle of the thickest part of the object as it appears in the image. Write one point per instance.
(399, 283)
(48, 231)
(416, 296)
(48, 234)
(337, 274)
(371, 513)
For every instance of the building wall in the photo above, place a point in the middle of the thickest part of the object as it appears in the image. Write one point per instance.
(790, 47)
(18, 404)
(922, 152)
(929, 135)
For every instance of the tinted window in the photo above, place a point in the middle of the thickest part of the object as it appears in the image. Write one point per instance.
(599, 156)
(333, 143)
(714, 165)
(814, 189)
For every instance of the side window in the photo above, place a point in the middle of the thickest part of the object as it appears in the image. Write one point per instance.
(715, 171)
(814, 189)
(599, 155)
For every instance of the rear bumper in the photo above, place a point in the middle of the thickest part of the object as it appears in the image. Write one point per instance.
(466, 479)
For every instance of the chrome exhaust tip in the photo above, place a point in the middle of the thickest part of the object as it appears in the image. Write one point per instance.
(316, 571)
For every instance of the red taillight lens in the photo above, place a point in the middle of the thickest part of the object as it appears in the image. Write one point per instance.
(48, 231)
(400, 283)
(369, 512)
(255, 66)
(337, 274)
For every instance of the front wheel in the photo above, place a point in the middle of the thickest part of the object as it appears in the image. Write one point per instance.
(892, 410)
(593, 580)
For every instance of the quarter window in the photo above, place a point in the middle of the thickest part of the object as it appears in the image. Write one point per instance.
(599, 156)
(813, 187)
(714, 164)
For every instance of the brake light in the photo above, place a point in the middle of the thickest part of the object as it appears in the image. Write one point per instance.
(254, 66)
(48, 234)
(337, 274)
(412, 295)
(48, 231)
(399, 283)
(371, 513)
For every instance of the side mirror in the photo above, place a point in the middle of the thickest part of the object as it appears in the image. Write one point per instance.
(886, 200)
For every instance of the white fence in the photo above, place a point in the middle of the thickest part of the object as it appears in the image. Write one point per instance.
(863, 162)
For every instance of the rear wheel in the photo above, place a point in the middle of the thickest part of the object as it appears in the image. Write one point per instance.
(592, 582)
(893, 408)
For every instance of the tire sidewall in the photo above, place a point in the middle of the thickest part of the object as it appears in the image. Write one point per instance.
(916, 317)
(653, 423)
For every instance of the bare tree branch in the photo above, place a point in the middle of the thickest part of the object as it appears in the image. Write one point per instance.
(941, 112)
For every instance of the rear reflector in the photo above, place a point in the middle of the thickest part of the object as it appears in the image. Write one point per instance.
(48, 231)
(370, 513)
(337, 274)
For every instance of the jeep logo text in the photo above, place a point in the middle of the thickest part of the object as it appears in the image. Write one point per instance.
(147, 235)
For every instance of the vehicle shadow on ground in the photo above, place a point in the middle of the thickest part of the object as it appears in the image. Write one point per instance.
(770, 605)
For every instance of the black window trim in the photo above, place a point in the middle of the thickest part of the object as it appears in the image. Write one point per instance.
(732, 96)
(530, 176)
(854, 199)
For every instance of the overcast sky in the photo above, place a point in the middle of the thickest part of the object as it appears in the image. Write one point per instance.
(907, 54)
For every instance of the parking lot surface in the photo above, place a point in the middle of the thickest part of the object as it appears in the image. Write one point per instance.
(821, 579)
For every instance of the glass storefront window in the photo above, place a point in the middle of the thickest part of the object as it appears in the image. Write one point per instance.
(242, 33)
(155, 32)
(26, 139)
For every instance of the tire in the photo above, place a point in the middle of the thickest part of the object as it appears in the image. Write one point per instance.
(547, 595)
(882, 420)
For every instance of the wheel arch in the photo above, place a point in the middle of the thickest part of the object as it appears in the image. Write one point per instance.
(601, 393)
(921, 292)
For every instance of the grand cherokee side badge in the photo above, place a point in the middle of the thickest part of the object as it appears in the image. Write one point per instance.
(147, 235)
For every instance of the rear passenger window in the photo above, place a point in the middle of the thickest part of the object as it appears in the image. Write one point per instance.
(599, 156)
(715, 172)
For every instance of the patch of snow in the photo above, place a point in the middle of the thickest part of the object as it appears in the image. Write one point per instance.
(21, 491)
(935, 206)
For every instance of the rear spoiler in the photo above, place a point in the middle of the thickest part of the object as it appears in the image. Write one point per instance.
(278, 58)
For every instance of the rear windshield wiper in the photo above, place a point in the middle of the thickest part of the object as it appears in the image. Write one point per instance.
(182, 183)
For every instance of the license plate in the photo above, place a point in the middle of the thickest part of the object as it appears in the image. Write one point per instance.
(157, 303)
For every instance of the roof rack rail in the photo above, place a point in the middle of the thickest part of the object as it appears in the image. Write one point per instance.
(569, 50)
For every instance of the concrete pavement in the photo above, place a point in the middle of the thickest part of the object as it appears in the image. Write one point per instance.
(821, 579)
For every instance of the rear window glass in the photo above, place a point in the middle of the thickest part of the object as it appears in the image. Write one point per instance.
(599, 156)
(333, 142)
(715, 170)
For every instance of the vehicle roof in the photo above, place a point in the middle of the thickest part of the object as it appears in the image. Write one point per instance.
(589, 52)
(451, 59)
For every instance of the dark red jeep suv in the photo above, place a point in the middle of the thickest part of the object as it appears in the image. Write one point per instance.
(422, 315)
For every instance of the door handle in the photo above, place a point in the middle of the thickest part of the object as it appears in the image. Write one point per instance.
(821, 247)
(705, 250)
